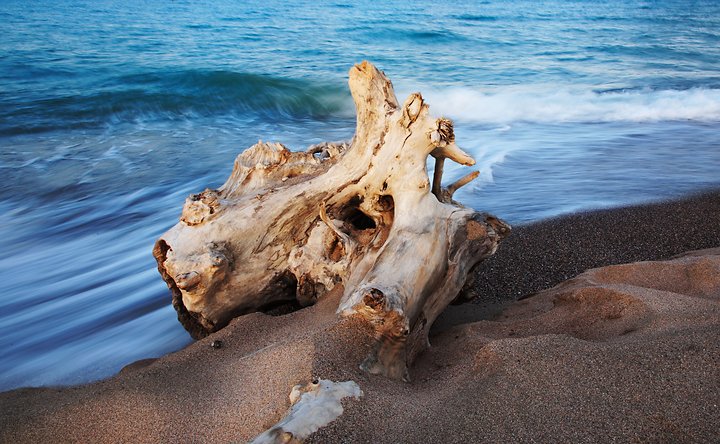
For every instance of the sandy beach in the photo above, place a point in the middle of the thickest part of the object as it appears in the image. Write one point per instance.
(547, 352)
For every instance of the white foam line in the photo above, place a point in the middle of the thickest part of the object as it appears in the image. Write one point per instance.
(551, 104)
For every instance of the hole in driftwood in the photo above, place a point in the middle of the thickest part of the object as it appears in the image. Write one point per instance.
(283, 288)
(281, 308)
(353, 215)
(359, 220)
(385, 202)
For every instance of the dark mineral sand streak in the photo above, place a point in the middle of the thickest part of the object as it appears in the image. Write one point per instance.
(541, 255)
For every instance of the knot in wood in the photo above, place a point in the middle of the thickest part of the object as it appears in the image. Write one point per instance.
(200, 207)
(374, 299)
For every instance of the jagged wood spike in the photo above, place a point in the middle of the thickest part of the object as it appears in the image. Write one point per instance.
(453, 152)
(466, 179)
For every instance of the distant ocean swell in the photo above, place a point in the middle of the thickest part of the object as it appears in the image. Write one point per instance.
(173, 95)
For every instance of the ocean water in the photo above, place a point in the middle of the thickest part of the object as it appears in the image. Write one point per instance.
(112, 112)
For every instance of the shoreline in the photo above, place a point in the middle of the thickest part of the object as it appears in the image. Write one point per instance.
(547, 355)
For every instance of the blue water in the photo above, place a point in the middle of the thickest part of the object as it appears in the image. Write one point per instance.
(111, 112)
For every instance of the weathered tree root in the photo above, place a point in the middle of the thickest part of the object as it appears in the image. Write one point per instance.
(290, 226)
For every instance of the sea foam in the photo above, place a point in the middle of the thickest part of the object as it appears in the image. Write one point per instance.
(553, 104)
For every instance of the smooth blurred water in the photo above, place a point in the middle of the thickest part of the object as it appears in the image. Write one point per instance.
(112, 112)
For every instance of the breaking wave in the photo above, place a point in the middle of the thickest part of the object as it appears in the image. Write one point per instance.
(175, 95)
(548, 104)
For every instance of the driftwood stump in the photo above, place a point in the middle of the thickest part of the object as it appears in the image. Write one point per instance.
(290, 226)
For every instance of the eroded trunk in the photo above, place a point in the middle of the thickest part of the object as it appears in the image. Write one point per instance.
(289, 226)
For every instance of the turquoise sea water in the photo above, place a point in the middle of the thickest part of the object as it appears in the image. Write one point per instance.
(112, 112)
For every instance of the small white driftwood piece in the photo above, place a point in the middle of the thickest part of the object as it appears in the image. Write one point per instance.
(313, 405)
(290, 226)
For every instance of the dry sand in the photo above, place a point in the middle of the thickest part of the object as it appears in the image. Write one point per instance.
(625, 353)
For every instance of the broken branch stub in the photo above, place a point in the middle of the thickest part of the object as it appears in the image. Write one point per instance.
(290, 226)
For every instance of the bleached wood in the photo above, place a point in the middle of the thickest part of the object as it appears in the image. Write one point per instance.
(290, 226)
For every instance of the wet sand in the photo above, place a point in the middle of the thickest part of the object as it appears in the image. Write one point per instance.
(626, 353)
(543, 254)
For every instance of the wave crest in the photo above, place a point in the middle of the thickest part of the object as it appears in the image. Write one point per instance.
(178, 95)
(548, 104)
